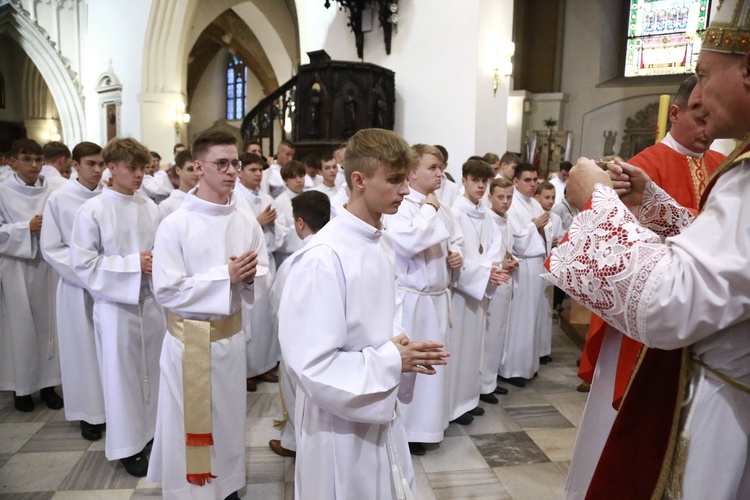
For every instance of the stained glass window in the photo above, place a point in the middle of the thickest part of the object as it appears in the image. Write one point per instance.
(236, 89)
(664, 36)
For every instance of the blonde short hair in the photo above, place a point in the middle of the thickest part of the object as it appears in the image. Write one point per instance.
(426, 149)
(371, 147)
(128, 150)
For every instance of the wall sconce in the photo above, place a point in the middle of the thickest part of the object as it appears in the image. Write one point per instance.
(178, 116)
(53, 134)
(503, 65)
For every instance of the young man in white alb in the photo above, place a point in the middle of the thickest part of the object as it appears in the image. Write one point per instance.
(428, 245)
(498, 312)
(311, 211)
(79, 362)
(263, 351)
(206, 261)
(28, 357)
(477, 282)
(110, 252)
(522, 345)
(349, 371)
(293, 174)
(329, 171)
(185, 172)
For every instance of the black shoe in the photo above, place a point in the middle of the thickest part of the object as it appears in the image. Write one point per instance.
(91, 432)
(477, 412)
(500, 390)
(489, 398)
(23, 403)
(233, 496)
(545, 359)
(137, 465)
(464, 419)
(514, 381)
(417, 449)
(53, 400)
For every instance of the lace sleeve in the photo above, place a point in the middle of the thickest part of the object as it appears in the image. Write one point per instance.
(607, 262)
(661, 213)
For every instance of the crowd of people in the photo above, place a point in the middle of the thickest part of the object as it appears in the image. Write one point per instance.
(103, 251)
(388, 299)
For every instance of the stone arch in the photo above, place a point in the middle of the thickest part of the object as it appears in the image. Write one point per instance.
(61, 80)
(165, 57)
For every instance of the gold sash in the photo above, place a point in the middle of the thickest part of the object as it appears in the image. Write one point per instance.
(196, 337)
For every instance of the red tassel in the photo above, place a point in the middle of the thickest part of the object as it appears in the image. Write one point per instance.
(199, 439)
(200, 479)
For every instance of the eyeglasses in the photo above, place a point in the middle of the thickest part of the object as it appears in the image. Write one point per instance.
(31, 159)
(224, 164)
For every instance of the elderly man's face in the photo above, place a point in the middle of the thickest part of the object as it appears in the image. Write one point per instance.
(723, 94)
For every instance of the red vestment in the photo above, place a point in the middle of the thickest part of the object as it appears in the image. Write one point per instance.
(684, 178)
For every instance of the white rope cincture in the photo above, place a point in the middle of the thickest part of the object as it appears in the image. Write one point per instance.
(403, 491)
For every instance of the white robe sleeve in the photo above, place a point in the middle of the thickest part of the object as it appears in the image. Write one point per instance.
(54, 250)
(15, 239)
(527, 242)
(356, 385)
(664, 295)
(281, 227)
(116, 278)
(201, 293)
(661, 213)
(413, 235)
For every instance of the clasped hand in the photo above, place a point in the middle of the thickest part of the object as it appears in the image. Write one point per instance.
(420, 356)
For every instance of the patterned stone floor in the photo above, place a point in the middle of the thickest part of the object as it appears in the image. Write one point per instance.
(520, 449)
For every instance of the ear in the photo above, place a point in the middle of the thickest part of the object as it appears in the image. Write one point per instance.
(358, 181)
(673, 113)
(746, 69)
(111, 167)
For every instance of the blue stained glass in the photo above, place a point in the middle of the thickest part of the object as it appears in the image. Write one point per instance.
(230, 74)
(230, 109)
(240, 91)
(230, 91)
(238, 109)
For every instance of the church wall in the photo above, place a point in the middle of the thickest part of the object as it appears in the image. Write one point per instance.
(439, 60)
(495, 26)
(11, 66)
(116, 31)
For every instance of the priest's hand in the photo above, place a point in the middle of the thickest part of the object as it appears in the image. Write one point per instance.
(498, 275)
(267, 216)
(420, 356)
(583, 176)
(454, 259)
(541, 221)
(35, 224)
(242, 269)
(629, 181)
(146, 262)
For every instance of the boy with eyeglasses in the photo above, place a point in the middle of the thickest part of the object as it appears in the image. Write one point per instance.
(28, 352)
(208, 256)
(110, 252)
(81, 380)
(184, 169)
(263, 351)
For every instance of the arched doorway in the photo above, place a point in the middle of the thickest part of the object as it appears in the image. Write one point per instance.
(265, 32)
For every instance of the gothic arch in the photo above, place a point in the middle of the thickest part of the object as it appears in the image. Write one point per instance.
(61, 80)
(167, 44)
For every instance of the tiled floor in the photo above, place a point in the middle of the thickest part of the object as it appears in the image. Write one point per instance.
(520, 449)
